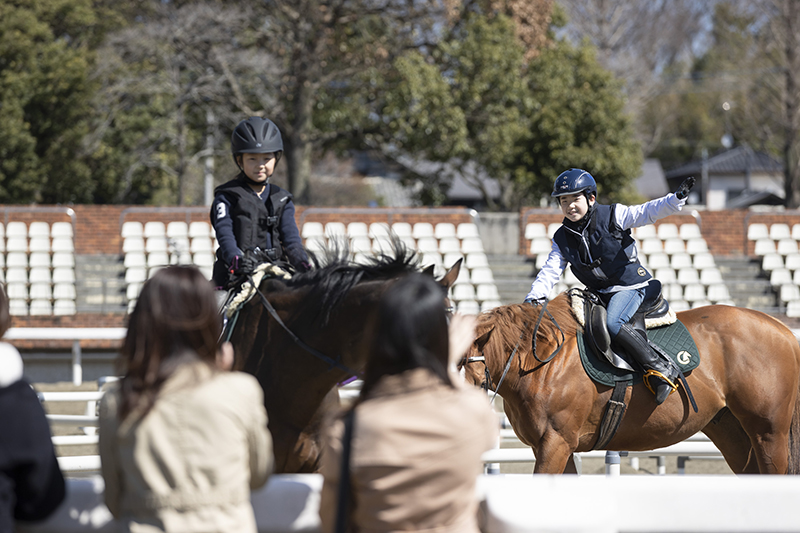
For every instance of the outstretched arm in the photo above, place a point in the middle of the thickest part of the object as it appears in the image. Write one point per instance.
(640, 215)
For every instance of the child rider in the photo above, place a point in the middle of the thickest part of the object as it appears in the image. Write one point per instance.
(596, 240)
(254, 219)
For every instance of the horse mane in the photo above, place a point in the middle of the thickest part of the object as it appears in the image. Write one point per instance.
(509, 320)
(335, 274)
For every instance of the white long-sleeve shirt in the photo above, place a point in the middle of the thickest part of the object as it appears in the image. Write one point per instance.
(626, 217)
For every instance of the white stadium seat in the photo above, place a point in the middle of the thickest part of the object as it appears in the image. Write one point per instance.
(357, 229)
(667, 230)
(16, 229)
(444, 230)
(39, 229)
(379, 229)
(402, 229)
(61, 229)
(779, 231)
(199, 229)
(467, 230)
(422, 230)
(534, 230)
(132, 229)
(154, 228)
(690, 231)
(177, 229)
(64, 307)
(757, 231)
(62, 244)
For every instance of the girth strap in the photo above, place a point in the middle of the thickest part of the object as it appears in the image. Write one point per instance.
(612, 419)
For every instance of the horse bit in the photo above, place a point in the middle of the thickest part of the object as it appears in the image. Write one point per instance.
(487, 383)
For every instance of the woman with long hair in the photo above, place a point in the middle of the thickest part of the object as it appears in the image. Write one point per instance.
(182, 439)
(417, 437)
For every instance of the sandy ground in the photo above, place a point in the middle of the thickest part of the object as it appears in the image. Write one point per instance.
(647, 466)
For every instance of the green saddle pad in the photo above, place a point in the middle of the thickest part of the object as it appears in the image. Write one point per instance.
(674, 339)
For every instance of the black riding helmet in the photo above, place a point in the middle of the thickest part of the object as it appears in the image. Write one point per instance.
(256, 135)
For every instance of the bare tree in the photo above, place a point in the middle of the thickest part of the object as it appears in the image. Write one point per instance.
(182, 67)
(335, 55)
(784, 46)
(643, 43)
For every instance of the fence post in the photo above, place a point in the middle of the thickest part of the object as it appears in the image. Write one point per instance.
(612, 463)
(77, 370)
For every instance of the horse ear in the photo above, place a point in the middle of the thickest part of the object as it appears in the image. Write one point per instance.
(481, 341)
(428, 270)
(450, 278)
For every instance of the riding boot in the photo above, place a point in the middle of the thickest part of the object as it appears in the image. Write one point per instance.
(659, 372)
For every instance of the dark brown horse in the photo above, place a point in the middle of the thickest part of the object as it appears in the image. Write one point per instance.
(746, 389)
(328, 310)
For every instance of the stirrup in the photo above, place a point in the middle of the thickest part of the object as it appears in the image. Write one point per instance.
(656, 373)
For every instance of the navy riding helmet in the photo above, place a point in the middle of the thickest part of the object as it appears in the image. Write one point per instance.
(574, 181)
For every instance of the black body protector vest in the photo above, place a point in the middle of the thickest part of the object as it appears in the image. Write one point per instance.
(256, 223)
(602, 255)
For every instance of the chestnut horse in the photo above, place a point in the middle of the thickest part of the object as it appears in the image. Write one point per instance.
(325, 311)
(746, 388)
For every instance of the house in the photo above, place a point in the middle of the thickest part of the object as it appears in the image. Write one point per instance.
(735, 178)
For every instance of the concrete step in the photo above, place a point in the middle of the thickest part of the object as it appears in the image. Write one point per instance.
(513, 275)
(748, 285)
(100, 284)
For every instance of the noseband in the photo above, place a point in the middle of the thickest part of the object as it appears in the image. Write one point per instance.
(487, 383)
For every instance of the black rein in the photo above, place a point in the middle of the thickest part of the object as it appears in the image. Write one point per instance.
(482, 358)
(313, 351)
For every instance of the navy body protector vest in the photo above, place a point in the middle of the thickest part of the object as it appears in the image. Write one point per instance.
(603, 255)
(256, 223)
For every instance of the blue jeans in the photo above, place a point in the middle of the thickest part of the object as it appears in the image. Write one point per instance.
(621, 307)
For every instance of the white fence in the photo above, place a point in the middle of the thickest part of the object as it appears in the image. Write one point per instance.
(76, 335)
(698, 446)
(521, 504)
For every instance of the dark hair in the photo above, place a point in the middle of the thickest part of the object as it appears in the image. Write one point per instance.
(410, 331)
(175, 319)
(5, 313)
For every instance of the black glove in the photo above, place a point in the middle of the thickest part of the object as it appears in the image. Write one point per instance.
(535, 301)
(686, 186)
(244, 264)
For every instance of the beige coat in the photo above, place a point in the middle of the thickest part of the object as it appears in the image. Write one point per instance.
(415, 457)
(190, 463)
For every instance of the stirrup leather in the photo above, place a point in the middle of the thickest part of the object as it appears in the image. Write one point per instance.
(659, 375)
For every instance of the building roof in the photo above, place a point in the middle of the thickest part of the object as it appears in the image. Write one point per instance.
(739, 160)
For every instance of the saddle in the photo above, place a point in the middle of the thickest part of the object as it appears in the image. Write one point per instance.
(654, 312)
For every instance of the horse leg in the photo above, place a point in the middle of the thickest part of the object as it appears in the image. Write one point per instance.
(728, 435)
(571, 468)
(552, 453)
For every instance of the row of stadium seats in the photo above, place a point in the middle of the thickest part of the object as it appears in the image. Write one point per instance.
(776, 246)
(440, 245)
(663, 231)
(420, 230)
(37, 263)
(153, 245)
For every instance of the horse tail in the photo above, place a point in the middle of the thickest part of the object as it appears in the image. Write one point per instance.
(794, 439)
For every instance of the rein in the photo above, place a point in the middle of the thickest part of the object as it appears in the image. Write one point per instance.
(313, 351)
(482, 358)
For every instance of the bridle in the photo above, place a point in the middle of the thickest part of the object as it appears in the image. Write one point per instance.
(487, 382)
(333, 363)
